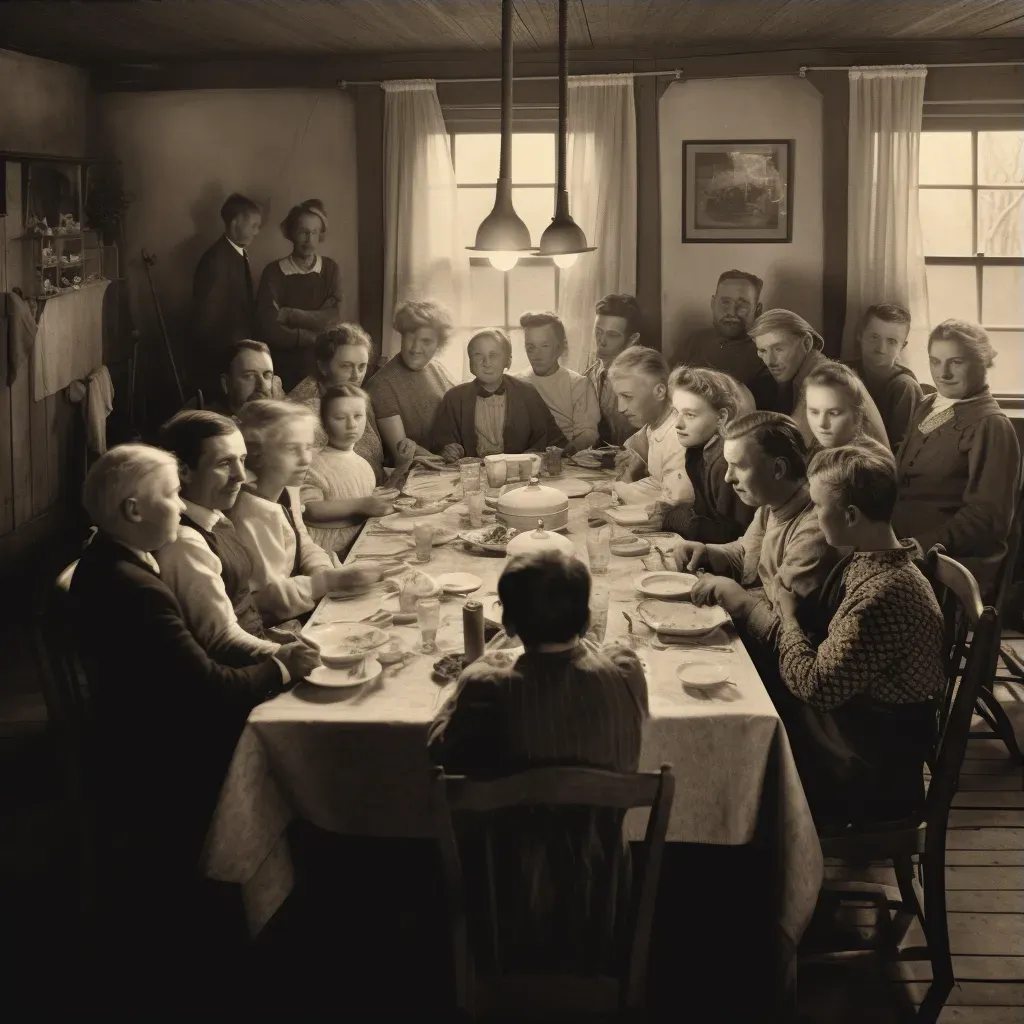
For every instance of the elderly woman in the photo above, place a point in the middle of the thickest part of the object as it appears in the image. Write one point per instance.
(299, 296)
(959, 465)
(494, 413)
(791, 349)
(407, 390)
(569, 395)
(342, 356)
(835, 401)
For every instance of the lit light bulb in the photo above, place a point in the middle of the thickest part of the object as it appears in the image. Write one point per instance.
(503, 260)
(566, 260)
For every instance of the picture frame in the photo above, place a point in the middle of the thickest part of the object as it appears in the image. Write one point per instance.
(738, 190)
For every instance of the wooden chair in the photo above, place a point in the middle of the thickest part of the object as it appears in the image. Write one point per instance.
(66, 692)
(528, 996)
(925, 842)
(196, 401)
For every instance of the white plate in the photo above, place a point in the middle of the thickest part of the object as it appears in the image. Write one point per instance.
(681, 619)
(571, 487)
(422, 511)
(459, 582)
(702, 675)
(337, 639)
(473, 537)
(341, 678)
(383, 547)
(399, 523)
(665, 585)
(634, 547)
(432, 487)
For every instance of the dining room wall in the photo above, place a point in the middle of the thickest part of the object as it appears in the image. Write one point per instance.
(182, 153)
(782, 107)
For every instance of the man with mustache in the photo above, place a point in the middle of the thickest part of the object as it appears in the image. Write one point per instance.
(726, 345)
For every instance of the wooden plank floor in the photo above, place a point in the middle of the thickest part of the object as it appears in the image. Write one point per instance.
(985, 896)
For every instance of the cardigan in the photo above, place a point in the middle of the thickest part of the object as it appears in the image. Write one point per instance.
(283, 554)
(529, 425)
(959, 484)
(717, 514)
(896, 396)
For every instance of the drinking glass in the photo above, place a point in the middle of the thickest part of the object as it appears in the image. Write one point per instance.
(423, 537)
(599, 550)
(598, 612)
(553, 461)
(475, 504)
(428, 616)
(469, 474)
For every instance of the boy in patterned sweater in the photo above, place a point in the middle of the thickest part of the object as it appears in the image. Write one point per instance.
(859, 708)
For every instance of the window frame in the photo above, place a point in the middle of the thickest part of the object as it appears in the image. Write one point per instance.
(483, 261)
(979, 260)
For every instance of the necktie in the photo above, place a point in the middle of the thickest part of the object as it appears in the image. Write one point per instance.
(248, 276)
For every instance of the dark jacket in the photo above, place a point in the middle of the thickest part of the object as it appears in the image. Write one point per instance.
(896, 396)
(717, 515)
(959, 484)
(224, 306)
(529, 425)
(738, 358)
(167, 716)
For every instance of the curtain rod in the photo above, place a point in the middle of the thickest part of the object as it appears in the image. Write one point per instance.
(967, 64)
(677, 73)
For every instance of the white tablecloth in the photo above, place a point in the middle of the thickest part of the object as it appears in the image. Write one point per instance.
(357, 764)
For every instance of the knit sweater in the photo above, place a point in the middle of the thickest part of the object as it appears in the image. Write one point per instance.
(896, 395)
(884, 640)
(413, 395)
(337, 474)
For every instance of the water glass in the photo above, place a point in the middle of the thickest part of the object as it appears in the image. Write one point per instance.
(598, 612)
(469, 475)
(497, 472)
(428, 617)
(553, 461)
(599, 550)
(475, 504)
(423, 537)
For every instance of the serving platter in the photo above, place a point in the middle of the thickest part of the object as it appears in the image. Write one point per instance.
(677, 618)
(476, 539)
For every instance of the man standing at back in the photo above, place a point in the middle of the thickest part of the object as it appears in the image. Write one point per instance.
(726, 345)
(224, 299)
(616, 328)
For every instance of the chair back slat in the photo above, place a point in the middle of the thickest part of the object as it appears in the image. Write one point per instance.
(971, 663)
(563, 787)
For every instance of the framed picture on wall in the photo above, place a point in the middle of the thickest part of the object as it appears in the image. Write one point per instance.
(738, 191)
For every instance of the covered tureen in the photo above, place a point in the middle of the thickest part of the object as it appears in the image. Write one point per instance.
(521, 507)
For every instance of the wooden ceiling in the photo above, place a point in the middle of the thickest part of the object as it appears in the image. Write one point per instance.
(97, 31)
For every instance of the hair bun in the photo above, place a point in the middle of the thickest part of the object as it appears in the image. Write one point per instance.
(314, 204)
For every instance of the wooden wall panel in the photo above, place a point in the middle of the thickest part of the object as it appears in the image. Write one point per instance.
(6, 492)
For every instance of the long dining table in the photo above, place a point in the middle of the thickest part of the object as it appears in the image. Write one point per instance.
(354, 761)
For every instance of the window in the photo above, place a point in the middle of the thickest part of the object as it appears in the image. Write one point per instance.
(972, 224)
(497, 299)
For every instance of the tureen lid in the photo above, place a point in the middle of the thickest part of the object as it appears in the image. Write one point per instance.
(533, 499)
(539, 540)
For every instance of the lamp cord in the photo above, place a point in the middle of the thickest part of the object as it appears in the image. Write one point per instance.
(563, 89)
(505, 157)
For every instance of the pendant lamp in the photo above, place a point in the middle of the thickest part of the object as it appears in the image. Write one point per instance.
(563, 238)
(502, 235)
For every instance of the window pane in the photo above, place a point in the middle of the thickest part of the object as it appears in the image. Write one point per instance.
(487, 297)
(520, 364)
(1000, 158)
(530, 287)
(473, 204)
(952, 292)
(1006, 377)
(946, 222)
(1002, 296)
(945, 158)
(476, 158)
(533, 158)
(536, 206)
(1001, 222)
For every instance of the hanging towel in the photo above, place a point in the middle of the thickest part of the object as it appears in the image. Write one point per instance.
(21, 329)
(69, 342)
(95, 394)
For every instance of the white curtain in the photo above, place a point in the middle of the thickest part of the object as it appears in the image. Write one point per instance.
(423, 257)
(601, 178)
(885, 257)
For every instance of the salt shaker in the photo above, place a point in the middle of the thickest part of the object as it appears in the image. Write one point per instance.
(472, 630)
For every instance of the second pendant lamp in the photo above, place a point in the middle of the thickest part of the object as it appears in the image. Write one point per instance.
(563, 238)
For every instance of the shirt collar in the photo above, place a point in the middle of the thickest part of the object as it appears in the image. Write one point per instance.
(289, 266)
(796, 504)
(143, 556)
(237, 248)
(207, 518)
(482, 392)
(661, 431)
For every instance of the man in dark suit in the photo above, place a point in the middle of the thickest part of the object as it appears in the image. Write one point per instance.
(224, 296)
(167, 717)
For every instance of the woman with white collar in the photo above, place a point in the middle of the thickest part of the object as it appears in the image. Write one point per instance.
(290, 572)
(959, 464)
(299, 296)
